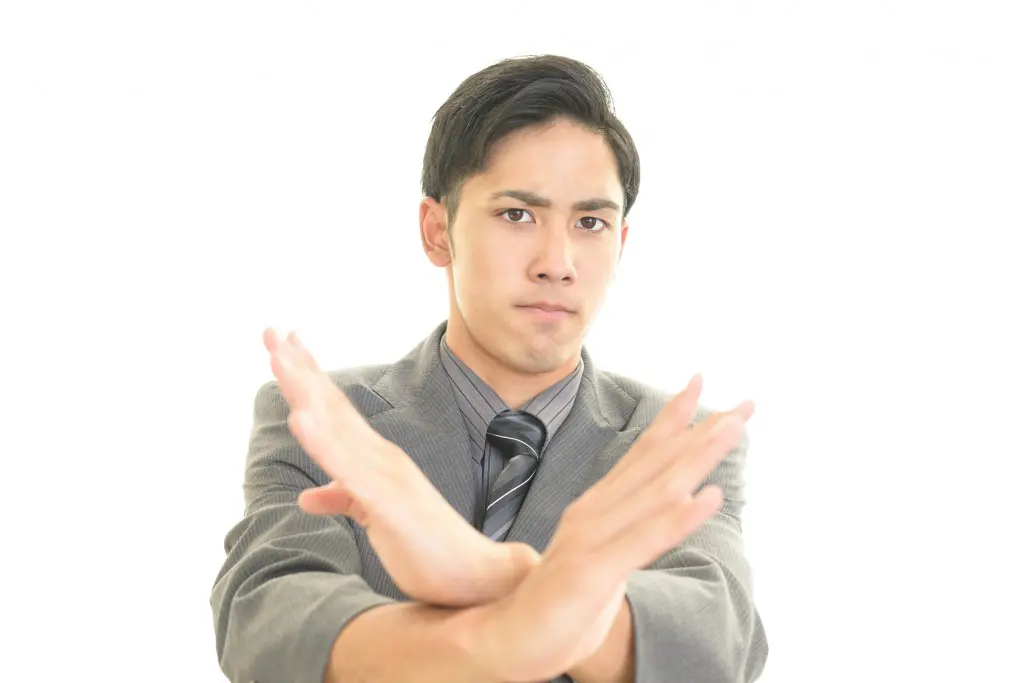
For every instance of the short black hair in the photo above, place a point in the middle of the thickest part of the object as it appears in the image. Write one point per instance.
(512, 94)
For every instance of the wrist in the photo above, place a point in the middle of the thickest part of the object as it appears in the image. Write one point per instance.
(471, 633)
(614, 661)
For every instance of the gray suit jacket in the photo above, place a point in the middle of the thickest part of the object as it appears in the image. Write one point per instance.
(292, 581)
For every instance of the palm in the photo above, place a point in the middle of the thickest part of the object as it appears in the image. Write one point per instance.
(431, 553)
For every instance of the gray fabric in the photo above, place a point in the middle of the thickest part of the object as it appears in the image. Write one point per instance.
(478, 404)
(291, 581)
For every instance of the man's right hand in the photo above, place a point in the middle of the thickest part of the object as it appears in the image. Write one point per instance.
(562, 611)
(431, 553)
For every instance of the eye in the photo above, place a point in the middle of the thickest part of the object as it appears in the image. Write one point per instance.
(594, 222)
(515, 215)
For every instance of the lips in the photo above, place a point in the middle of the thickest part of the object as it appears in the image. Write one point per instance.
(546, 315)
(548, 306)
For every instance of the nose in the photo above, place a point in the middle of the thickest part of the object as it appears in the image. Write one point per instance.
(555, 261)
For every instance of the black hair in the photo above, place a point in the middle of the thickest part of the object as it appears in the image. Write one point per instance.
(512, 94)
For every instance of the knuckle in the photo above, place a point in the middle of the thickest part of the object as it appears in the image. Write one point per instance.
(572, 514)
(295, 419)
(670, 497)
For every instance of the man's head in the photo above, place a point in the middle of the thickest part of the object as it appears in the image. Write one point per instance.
(527, 179)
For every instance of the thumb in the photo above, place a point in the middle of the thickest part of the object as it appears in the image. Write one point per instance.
(331, 499)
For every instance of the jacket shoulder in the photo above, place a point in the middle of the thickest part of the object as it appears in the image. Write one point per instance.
(648, 400)
(355, 381)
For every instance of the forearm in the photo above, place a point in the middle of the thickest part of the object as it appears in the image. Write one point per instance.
(403, 642)
(699, 620)
(614, 661)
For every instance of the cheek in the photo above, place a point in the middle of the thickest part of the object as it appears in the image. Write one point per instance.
(492, 262)
(596, 270)
(483, 277)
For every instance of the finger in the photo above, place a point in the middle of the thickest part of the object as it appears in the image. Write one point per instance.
(312, 435)
(301, 361)
(301, 354)
(316, 382)
(271, 339)
(290, 380)
(677, 486)
(301, 381)
(302, 357)
(331, 499)
(672, 451)
(314, 438)
(745, 410)
(689, 472)
(678, 411)
(329, 449)
(326, 501)
(681, 421)
(675, 418)
(652, 459)
(640, 544)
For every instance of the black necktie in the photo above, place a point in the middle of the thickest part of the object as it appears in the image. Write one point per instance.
(519, 436)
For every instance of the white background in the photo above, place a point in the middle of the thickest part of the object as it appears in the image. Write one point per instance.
(829, 222)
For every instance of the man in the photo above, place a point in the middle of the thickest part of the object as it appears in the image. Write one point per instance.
(494, 507)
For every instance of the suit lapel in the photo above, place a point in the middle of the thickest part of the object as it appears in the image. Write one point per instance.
(426, 423)
(424, 420)
(585, 447)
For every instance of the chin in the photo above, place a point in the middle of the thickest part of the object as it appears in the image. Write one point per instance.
(546, 357)
(529, 349)
(538, 365)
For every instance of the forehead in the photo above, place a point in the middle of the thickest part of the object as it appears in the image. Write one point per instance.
(562, 160)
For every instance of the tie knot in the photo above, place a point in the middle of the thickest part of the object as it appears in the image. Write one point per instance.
(516, 432)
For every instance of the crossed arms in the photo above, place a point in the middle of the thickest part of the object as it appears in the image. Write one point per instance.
(644, 579)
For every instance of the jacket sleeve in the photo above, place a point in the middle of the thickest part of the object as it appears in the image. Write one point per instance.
(694, 618)
(291, 581)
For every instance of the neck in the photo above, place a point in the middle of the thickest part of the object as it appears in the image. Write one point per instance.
(513, 386)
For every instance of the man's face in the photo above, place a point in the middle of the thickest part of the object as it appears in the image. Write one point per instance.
(555, 240)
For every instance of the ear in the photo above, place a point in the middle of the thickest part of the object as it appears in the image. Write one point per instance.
(434, 232)
(625, 233)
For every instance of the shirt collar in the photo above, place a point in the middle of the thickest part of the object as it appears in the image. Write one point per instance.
(479, 403)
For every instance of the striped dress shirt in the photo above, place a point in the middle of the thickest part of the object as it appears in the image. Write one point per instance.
(479, 404)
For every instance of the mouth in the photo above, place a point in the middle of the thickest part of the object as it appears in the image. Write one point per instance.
(546, 313)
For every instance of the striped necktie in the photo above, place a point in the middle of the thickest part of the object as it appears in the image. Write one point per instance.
(519, 437)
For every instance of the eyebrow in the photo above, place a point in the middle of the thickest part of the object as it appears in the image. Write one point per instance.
(534, 199)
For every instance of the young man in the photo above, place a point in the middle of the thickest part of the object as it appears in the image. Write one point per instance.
(493, 506)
